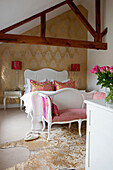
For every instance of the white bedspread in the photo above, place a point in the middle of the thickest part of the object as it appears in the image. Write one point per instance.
(28, 104)
(37, 116)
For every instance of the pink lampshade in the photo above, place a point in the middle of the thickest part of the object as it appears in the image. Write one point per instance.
(75, 67)
(16, 65)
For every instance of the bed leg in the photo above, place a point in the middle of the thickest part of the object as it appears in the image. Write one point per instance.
(79, 124)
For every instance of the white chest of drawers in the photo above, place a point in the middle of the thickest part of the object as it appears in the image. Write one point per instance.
(99, 137)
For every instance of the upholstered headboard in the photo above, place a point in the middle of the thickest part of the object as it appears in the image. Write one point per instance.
(43, 74)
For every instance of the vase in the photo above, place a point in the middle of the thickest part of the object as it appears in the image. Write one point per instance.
(109, 96)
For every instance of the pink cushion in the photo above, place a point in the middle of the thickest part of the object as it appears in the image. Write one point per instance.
(41, 86)
(55, 111)
(45, 107)
(70, 114)
(99, 95)
(60, 85)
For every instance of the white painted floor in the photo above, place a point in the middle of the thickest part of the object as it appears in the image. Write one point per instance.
(13, 126)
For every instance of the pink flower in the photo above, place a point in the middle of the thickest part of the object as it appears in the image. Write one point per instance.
(111, 69)
(95, 69)
(107, 68)
(102, 69)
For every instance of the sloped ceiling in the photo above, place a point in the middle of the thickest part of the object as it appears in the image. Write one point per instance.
(13, 11)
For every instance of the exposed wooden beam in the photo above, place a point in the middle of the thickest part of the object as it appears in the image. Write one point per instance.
(81, 17)
(97, 44)
(98, 36)
(98, 25)
(32, 17)
(43, 25)
(104, 32)
(12, 38)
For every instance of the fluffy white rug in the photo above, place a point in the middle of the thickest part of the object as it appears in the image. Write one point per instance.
(65, 150)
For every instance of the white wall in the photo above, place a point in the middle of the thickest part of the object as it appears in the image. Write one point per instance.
(100, 57)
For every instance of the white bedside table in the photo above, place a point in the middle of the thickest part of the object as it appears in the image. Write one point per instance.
(12, 94)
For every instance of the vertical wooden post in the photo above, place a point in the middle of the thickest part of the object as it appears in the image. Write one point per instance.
(81, 17)
(98, 21)
(43, 25)
(98, 26)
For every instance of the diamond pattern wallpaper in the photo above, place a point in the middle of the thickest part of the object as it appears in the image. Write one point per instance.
(35, 57)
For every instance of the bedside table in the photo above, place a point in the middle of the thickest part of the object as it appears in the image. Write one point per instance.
(12, 94)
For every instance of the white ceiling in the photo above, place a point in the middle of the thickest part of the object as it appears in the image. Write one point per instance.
(13, 11)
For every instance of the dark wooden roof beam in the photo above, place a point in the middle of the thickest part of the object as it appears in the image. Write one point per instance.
(13, 38)
(104, 32)
(42, 40)
(98, 25)
(43, 25)
(32, 17)
(98, 36)
(81, 17)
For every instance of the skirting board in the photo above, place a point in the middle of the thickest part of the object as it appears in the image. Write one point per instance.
(10, 106)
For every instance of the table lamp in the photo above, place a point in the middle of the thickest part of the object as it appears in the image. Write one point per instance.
(75, 67)
(17, 65)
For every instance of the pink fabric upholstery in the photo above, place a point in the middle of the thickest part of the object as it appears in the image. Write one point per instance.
(69, 115)
(55, 111)
(64, 115)
(45, 107)
(99, 95)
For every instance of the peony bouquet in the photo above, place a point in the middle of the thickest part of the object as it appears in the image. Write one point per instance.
(105, 79)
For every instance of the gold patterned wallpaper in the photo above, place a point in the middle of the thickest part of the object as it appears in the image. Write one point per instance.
(35, 57)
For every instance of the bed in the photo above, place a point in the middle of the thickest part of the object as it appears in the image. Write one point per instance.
(40, 76)
(64, 98)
